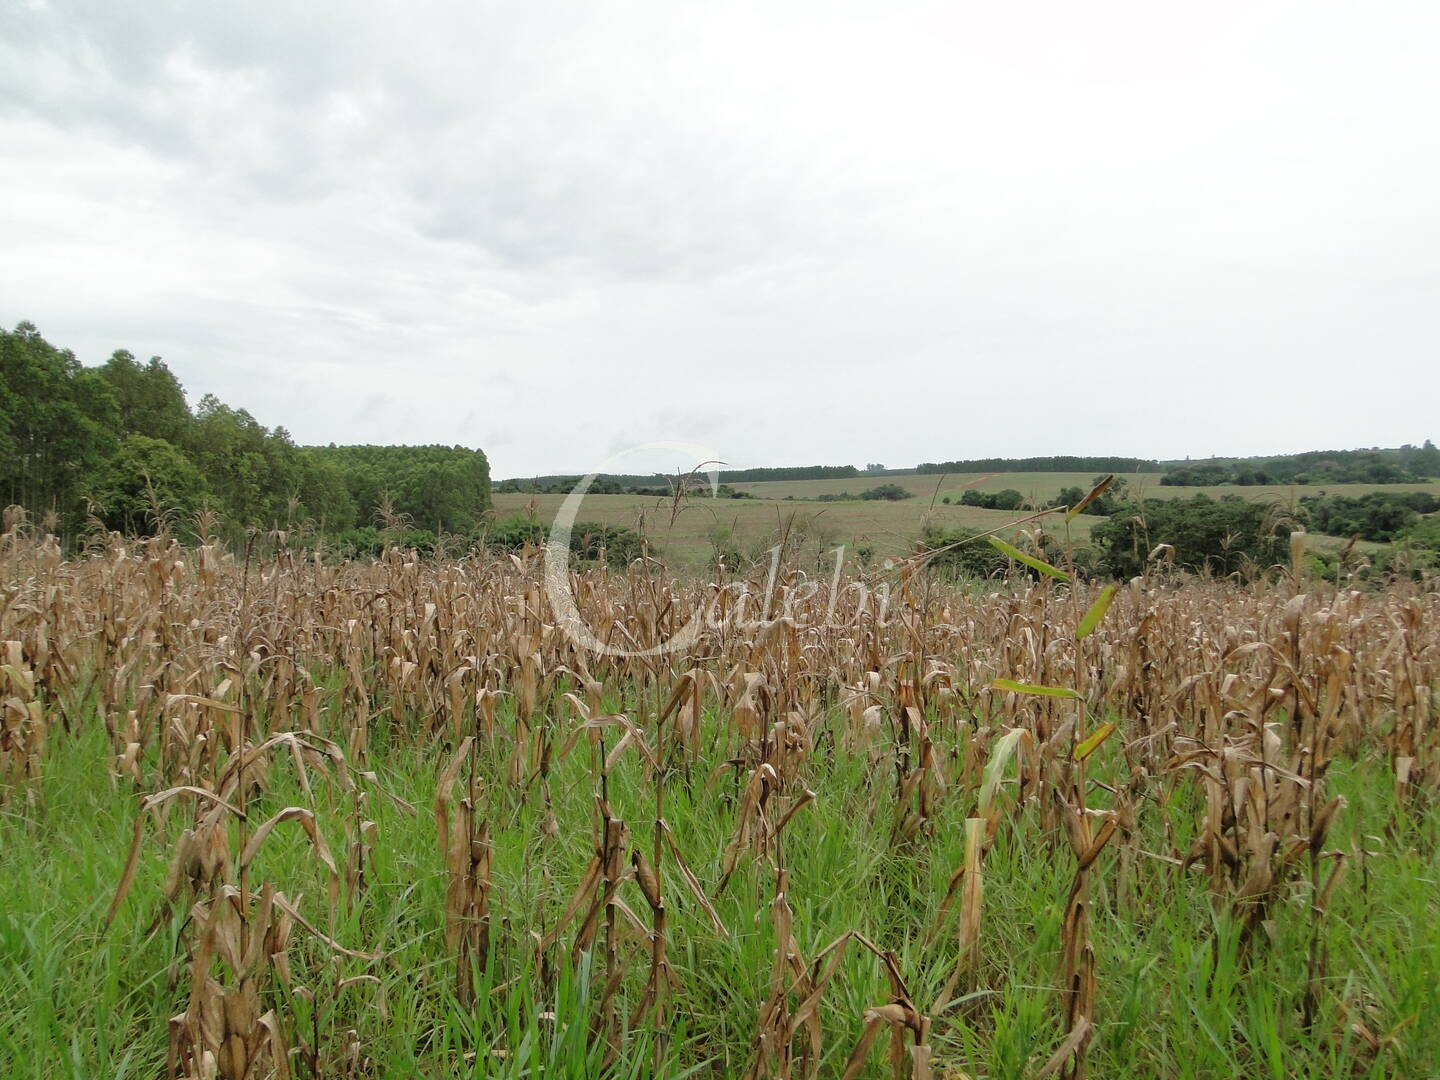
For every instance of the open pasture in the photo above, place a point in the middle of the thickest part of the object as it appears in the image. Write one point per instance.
(878, 528)
(1041, 487)
(1038, 487)
(751, 526)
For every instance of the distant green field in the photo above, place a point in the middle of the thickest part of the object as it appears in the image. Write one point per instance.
(889, 528)
(1044, 486)
(1037, 486)
(886, 528)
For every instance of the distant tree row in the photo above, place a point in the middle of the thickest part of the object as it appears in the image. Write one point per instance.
(657, 485)
(1406, 464)
(119, 445)
(1402, 465)
(794, 472)
(660, 483)
(604, 484)
(1042, 464)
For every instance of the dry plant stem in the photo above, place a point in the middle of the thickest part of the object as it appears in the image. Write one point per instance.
(216, 682)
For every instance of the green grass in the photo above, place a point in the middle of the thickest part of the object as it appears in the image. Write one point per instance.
(1036, 486)
(1043, 486)
(885, 528)
(1178, 995)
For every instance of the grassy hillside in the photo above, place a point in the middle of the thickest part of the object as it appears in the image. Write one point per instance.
(885, 528)
(1044, 486)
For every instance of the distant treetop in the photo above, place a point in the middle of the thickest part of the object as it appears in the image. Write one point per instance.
(1063, 463)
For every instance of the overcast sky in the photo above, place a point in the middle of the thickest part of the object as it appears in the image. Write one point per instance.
(795, 232)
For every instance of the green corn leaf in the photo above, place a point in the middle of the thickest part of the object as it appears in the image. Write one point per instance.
(1096, 737)
(1096, 613)
(1029, 560)
(1095, 493)
(1031, 688)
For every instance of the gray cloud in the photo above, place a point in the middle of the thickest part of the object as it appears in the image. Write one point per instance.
(534, 139)
(798, 231)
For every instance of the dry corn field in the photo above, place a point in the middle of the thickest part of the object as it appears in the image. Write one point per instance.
(261, 816)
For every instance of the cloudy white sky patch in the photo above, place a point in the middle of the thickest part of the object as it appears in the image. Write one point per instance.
(798, 232)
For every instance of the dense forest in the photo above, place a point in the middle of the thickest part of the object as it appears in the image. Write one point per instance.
(118, 447)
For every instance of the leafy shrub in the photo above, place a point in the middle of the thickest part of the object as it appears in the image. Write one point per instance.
(588, 540)
(617, 544)
(888, 492)
(1376, 515)
(970, 556)
(1219, 535)
(513, 533)
(1104, 505)
(1417, 548)
(1006, 499)
(368, 542)
(968, 553)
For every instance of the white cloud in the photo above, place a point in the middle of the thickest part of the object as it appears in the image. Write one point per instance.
(798, 231)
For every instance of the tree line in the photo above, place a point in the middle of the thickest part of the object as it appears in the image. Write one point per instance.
(1061, 463)
(118, 447)
(1379, 516)
(1404, 464)
(662, 484)
(1400, 465)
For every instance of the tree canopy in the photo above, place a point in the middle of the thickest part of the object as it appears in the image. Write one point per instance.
(1219, 535)
(119, 444)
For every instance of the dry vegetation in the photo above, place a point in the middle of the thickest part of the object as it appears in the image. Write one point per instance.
(283, 818)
